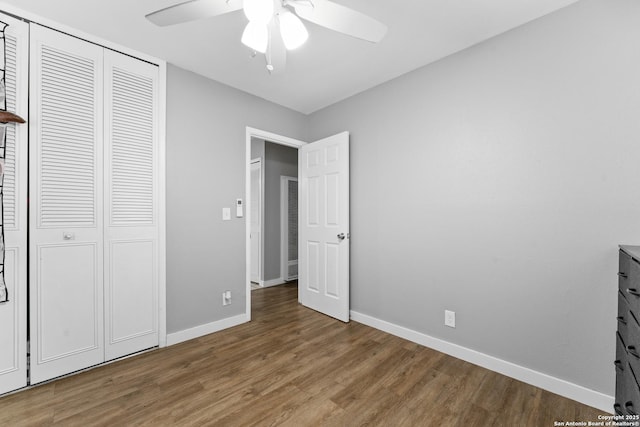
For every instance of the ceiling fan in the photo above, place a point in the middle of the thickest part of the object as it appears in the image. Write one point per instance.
(274, 25)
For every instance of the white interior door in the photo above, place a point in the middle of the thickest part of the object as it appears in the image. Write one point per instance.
(256, 221)
(66, 208)
(131, 215)
(13, 314)
(323, 253)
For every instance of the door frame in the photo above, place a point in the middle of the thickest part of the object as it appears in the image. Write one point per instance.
(284, 226)
(277, 139)
(261, 256)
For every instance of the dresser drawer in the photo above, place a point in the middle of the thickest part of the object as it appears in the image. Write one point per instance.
(632, 343)
(632, 284)
(624, 265)
(631, 404)
(622, 376)
(623, 316)
(621, 354)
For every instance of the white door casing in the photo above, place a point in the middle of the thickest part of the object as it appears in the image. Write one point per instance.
(323, 221)
(256, 221)
(13, 314)
(131, 230)
(66, 209)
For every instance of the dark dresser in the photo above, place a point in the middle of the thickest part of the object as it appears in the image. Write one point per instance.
(627, 361)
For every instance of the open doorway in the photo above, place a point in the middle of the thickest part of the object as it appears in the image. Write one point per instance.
(272, 171)
(274, 213)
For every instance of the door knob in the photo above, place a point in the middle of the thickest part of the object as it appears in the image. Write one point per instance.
(341, 236)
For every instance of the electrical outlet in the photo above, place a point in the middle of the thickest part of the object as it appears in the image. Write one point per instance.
(450, 318)
(226, 298)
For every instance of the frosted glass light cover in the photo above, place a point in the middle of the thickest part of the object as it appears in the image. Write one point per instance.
(258, 11)
(293, 31)
(256, 36)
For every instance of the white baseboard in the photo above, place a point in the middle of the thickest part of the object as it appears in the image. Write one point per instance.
(273, 282)
(209, 328)
(555, 385)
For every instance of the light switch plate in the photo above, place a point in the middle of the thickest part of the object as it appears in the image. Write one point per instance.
(226, 214)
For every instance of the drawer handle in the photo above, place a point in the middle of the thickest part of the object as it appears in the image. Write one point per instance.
(618, 365)
(634, 292)
(618, 409)
(629, 406)
(623, 275)
(632, 351)
(621, 320)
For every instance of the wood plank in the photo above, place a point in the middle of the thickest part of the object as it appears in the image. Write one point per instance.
(290, 366)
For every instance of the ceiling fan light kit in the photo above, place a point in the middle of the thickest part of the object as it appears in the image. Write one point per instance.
(294, 33)
(274, 25)
(258, 11)
(256, 36)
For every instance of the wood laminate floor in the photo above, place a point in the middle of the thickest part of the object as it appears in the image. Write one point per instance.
(290, 366)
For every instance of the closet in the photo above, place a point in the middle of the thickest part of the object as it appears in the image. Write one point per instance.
(94, 204)
(94, 187)
(13, 314)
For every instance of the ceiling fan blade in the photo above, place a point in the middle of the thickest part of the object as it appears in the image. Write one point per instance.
(341, 19)
(276, 55)
(192, 10)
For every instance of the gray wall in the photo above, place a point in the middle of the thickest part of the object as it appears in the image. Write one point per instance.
(498, 183)
(280, 161)
(206, 125)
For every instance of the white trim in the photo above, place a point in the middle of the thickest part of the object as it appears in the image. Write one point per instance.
(57, 26)
(284, 226)
(261, 256)
(538, 379)
(271, 137)
(162, 205)
(206, 329)
(272, 282)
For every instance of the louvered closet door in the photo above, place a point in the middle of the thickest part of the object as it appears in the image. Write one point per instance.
(13, 314)
(131, 232)
(66, 226)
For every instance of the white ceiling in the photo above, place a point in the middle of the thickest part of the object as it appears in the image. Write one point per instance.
(328, 68)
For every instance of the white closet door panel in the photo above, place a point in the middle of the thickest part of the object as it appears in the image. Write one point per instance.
(13, 339)
(13, 314)
(69, 309)
(131, 232)
(10, 191)
(132, 297)
(66, 213)
(67, 149)
(131, 90)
